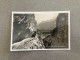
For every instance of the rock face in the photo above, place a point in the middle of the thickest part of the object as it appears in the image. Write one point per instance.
(24, 26)
(25, 32)
(62, 28)
(28, 43)
(59, 35)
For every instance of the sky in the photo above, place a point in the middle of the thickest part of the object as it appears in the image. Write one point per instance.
(46, 16)
(46, 21)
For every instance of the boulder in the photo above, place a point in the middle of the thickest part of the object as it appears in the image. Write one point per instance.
(28, 43)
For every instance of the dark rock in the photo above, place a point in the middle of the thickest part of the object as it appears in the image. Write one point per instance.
(34, 34)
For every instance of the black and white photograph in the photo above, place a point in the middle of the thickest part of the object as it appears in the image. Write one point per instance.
(48, 30)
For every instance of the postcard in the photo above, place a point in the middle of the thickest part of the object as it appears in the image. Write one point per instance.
(48, 30)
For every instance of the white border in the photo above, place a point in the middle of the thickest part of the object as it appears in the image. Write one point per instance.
(41, 49)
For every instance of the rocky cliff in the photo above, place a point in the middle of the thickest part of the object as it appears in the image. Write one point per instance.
(24, 32)
(24, 26)
(59, 35)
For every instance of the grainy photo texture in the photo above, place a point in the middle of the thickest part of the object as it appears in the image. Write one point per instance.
(40, 31)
